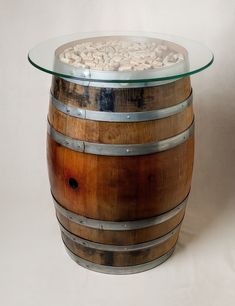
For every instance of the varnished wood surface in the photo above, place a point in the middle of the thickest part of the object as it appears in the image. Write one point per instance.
(121, 99)
(123, 237)
(120, 188)
(119, 259)
(120, 133)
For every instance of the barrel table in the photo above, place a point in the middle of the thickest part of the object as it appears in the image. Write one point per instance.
(120, 150)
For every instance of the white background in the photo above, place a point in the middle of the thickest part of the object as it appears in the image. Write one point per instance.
(34, 268)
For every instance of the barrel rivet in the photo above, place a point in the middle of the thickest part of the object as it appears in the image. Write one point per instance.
(128, 116)
(128, 150)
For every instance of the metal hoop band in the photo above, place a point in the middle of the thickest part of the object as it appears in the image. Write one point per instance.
(120, 117)
(120, 270)
(104, 84)
(120, 225)
(119, 248)
(119, 149)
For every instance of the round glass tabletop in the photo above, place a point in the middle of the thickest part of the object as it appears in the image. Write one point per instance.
(120, 57)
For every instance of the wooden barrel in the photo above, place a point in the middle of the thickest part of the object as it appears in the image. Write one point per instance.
(120, 165)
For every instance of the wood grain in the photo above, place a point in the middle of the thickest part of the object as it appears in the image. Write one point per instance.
(120, 133)
(123, 237)
(120, 259)
(120, 188)
(121, 99)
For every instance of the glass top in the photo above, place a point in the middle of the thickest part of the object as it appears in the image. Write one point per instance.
(120, 57)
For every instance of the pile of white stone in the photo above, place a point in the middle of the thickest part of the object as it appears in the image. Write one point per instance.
(120, 55)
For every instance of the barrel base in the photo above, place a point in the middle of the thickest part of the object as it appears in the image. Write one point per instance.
(120, 270)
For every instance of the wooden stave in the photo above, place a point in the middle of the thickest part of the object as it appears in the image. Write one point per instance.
(120, 270)
(121, 99)
(63, 164)
(131, 262)
(121, 237)
(120, 133)
(63, 128)
(121, 258)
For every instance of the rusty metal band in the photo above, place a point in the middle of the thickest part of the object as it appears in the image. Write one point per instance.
(120, 149)
(120, 225)
(118, 248)
(120, 270)
(123, 116)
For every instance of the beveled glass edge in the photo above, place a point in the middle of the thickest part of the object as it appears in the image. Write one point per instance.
(60, 75)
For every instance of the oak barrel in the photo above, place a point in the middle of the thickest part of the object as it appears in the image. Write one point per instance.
(120, 164)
